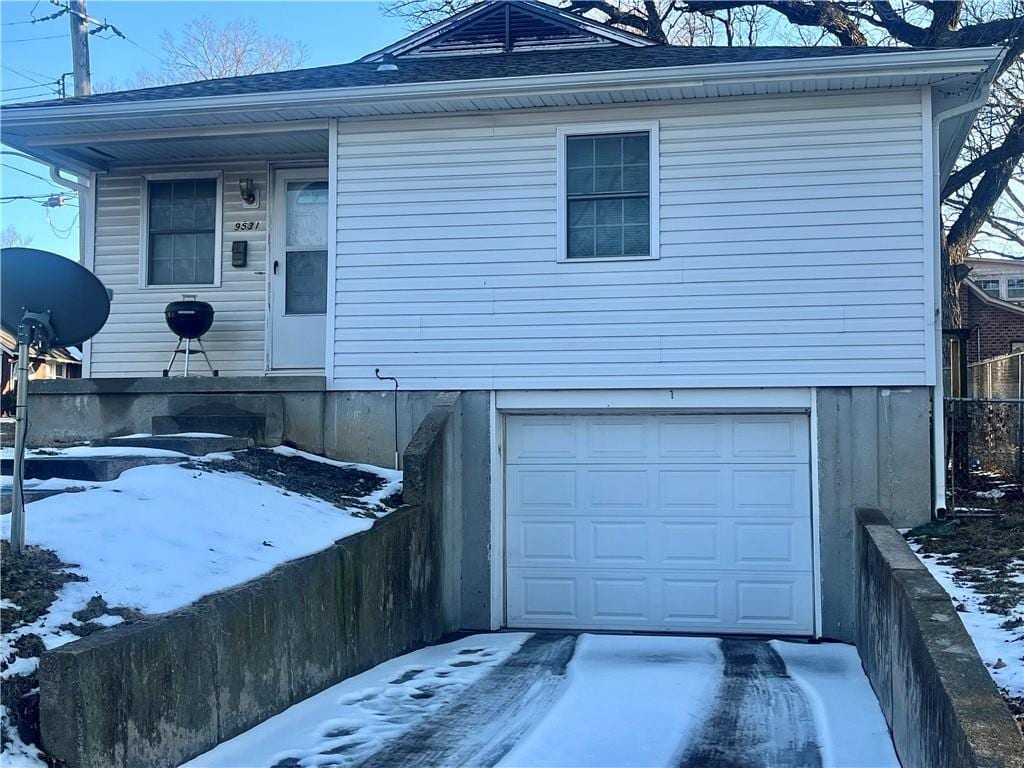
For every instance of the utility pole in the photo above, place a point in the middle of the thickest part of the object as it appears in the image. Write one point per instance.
(80, 47)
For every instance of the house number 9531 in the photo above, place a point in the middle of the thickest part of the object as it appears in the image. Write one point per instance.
(246, 226)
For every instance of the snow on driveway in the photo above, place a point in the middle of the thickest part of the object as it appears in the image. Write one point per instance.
(523, 701)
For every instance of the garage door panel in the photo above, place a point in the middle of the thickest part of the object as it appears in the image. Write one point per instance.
(631, 543)
(703, 601)
(543, 490)
(651, 521)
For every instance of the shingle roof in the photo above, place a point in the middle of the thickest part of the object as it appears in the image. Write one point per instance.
(471, 67)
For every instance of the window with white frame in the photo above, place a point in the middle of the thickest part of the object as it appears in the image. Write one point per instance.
(1015, 288)
(181, 241)
(989, 286)
(608, 193)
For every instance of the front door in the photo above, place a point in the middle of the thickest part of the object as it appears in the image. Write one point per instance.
(299, 283)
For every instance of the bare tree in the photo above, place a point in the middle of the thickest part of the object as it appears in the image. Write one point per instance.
(11, 237)
(205, 51)
(984, 197)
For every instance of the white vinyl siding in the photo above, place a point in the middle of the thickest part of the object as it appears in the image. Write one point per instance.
(136, 341)
(791, 240)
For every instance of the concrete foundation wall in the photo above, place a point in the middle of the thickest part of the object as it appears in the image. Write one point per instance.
(938, 699)
(874, 449)
(160, 691)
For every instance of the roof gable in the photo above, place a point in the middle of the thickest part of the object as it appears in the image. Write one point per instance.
(505, 26)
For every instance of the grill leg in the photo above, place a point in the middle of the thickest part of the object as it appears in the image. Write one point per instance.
(174, 355)
(188, 352)
(206, 357)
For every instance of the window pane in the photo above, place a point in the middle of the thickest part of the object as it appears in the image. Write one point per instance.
(636, 241)
(306, 213)
(205, 204)
(581, 181)
(608, 150)
(160, 260)
(636, 178)
(581, 243)
(184, 205)
(608, 179)
(580, 152)
(636, 149)
(1015, 288)
(991, 287)
(609, 241)
(636, 210)
(581, 213)
(205, 257)
(609, 212)
(305, 283)
(160, 206)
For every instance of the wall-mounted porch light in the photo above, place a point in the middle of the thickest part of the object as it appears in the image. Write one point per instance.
(249, 193)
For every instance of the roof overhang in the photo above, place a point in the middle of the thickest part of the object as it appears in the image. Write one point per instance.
(59, 133)
(992, 301)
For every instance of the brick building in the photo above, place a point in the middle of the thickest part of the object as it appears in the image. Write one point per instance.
(996, 325)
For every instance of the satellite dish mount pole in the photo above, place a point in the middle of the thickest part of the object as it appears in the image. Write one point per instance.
(34, 330)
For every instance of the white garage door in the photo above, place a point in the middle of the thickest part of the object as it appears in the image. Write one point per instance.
(689, 523)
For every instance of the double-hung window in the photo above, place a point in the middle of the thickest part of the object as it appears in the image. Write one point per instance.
(608, 193)
(989, 286)
(1015, 288)
(182, 231)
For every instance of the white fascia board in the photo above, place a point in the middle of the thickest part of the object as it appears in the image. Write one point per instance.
(952, 62)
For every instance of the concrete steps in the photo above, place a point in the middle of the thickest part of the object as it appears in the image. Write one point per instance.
(191, 444)
(95, 468)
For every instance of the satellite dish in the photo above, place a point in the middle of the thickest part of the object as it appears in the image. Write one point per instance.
(45, 300)
(69, 296)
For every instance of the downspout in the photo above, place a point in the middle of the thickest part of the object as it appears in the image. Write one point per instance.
(938, 408)
(86, 231)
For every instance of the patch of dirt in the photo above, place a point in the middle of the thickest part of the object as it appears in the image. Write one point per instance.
(988, 555)
(342, 486)
(30, 581)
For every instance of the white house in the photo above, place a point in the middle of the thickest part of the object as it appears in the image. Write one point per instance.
(694, 291)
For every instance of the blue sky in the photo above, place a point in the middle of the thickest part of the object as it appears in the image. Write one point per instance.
(333, 32)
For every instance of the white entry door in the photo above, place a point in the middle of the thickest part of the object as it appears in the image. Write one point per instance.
(299, 284)
(687, 523)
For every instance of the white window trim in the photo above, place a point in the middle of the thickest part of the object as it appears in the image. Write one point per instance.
(563, 132)
(218, 231)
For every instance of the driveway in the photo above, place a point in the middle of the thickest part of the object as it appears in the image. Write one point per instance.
(589, 700)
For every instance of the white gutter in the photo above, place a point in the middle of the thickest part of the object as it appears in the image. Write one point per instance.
(938, 406)
(951, 62)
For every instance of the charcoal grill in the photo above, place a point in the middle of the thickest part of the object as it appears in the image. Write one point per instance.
(189, 319)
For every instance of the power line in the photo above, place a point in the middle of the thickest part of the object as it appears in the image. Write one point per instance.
(27, 173)
(34, 39)
(21, 73)
(24, 88)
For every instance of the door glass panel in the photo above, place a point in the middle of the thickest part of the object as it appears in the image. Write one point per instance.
(306, 214)
(305, 283)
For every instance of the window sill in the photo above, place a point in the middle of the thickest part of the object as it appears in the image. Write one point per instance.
(180, 288)
(590, 259)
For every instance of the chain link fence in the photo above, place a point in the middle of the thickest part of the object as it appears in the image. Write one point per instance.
(985, 437)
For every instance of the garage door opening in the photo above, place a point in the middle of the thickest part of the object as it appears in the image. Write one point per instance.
(659, 522)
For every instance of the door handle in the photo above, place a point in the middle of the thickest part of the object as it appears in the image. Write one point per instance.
(275, 266)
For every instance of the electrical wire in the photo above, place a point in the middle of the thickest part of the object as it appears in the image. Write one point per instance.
(27, 173)
(48, 83)
(34, 39)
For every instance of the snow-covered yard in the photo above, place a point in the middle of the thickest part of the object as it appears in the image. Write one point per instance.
(158, 538)
(980, 563)
(513, 699)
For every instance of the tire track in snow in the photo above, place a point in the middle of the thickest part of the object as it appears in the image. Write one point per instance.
(485, 721)
(760, 717)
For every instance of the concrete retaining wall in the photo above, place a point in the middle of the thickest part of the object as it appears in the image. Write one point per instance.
(940, 703)
(160, 691)
(874, 449)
